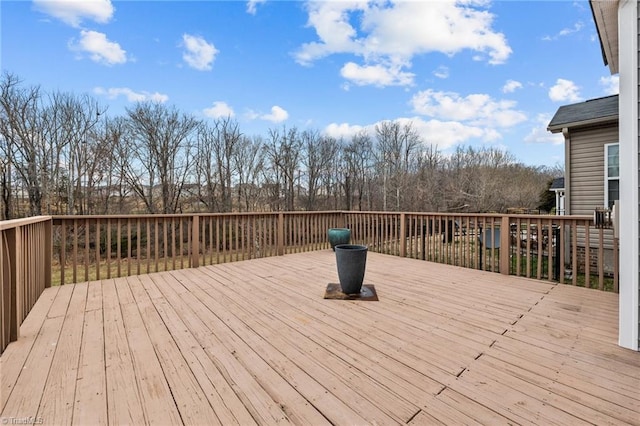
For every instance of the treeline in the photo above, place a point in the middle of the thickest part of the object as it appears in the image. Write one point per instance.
(61, 153)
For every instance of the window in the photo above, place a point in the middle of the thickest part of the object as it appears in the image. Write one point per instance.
(611, 174)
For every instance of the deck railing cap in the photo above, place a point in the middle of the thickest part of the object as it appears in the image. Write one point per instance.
(14, 223)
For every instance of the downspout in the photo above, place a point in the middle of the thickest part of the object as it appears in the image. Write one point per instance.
(567, 170)
(567, 192)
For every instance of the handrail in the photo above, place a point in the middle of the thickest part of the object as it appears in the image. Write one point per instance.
(16, 223)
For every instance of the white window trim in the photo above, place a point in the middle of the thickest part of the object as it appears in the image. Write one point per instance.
(606, 171)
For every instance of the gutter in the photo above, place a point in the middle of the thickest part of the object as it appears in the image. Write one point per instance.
(604, 53)
(557, 128)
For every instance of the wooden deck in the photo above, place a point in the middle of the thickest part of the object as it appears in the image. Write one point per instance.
(254, 342)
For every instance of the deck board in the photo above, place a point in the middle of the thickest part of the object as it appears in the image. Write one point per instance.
(254, 342)
(227, 405)
(58, 397)
(15, 355)
(124, 404)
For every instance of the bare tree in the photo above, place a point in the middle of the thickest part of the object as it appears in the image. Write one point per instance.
(429, 179)
(249, 163)
(359, 158)
(226, 139)
(481, 180)
(161, 154)
(397, 144)
(70, 121)
(22, 128)
(107, 153)
(5, 180)
(205, 168)
(283, 153)
(214, 165)
(319, 153)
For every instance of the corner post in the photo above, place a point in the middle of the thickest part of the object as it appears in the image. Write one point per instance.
(195, 241)
(341, 220)
(403, 235)
(505, 249)
(14, 237)
(48, 251)
(280, 249)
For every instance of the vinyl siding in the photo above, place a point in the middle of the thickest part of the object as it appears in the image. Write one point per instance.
(587, 168)
(587, 175)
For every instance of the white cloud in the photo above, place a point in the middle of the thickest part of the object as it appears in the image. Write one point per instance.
(445, 134)
(277, 115)
(219, 109)
(564, 91)
(611, 84)
(565, 32)
(392, 33)
(576, 27)
(342, 130)
(252, 5)
(99, 48)
(73, 12)
(441, 72)
(131, 95)
(198, 54)
(540, 134)
(475, 109)
(377, 75)
(510, 86)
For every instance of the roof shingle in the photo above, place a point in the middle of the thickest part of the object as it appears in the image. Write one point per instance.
(593, 111)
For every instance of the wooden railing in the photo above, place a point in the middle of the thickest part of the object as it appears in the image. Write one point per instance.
(93, 247)
(550, 248)
(25, 271)
(553, 248)
(435, 237)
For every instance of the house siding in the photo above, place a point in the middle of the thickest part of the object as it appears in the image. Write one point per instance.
(586, 169)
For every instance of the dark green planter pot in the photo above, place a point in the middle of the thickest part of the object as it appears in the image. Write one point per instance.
(351, 261)
(338, 236)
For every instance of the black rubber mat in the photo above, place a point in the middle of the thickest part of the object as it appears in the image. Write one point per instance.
(368, 292)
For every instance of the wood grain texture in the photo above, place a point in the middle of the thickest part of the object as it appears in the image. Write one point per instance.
(254, 342)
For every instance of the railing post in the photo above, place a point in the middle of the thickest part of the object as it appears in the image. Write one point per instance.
(280, 248)
(341, 220)
(195, 241)
(505, 249)
(403, 235)
(15, 260)
(48, 251)
(616, 265)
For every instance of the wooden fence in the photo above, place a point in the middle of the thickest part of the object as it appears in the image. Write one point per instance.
(25, 271)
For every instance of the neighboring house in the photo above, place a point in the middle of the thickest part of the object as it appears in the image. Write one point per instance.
(591, 176)
(618, 25)
(557, 186)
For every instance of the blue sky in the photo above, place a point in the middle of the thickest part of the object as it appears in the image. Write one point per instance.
(472, 72)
